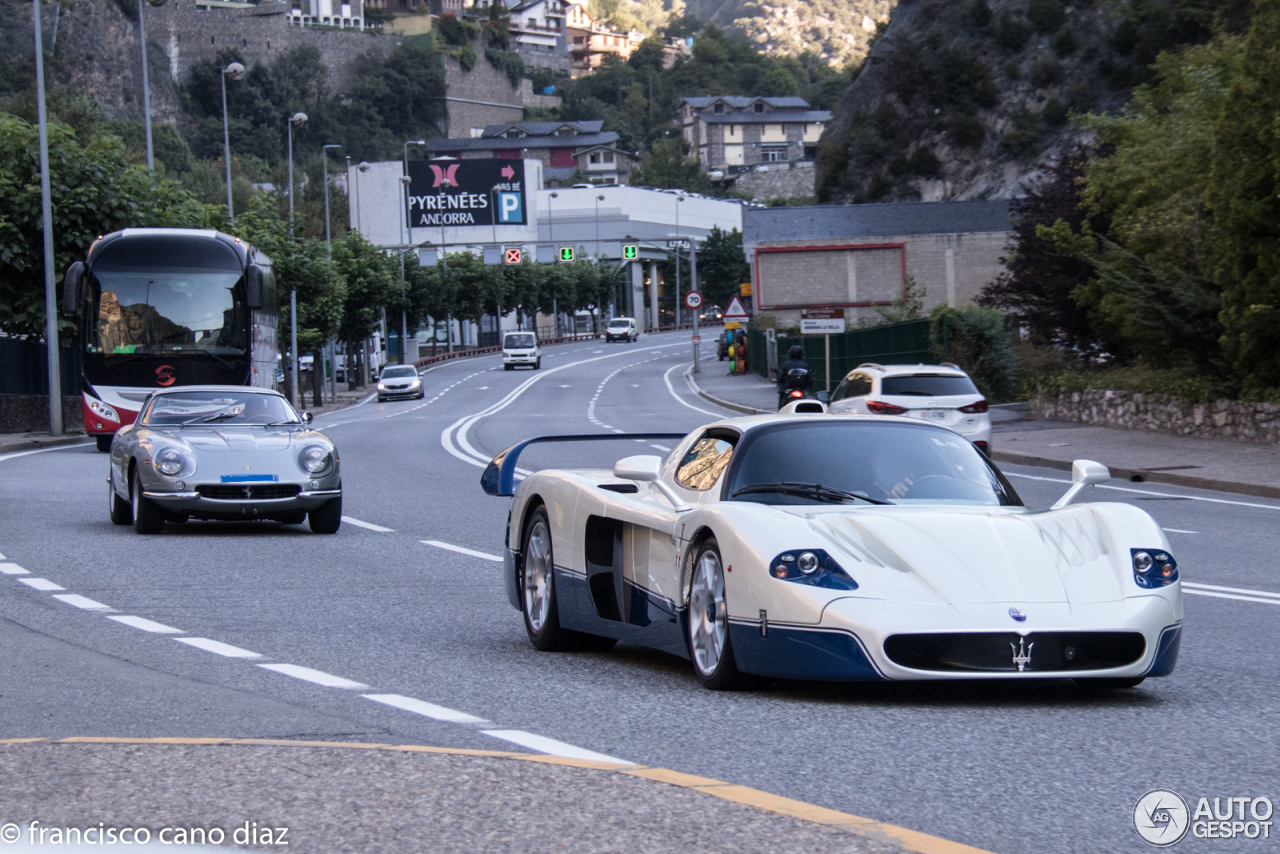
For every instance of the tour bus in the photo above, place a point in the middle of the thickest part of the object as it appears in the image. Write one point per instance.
(168, 306)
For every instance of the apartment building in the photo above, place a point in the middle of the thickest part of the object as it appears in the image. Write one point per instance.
(732, 133)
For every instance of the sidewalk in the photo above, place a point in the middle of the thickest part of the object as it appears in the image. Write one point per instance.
(1135, 455)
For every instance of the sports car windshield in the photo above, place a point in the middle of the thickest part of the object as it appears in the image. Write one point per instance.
(197, 408)
(852, 462)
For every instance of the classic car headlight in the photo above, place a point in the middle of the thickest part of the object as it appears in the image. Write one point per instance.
(315, 459)
(104, 410)
(813, 567)
(1153, 567)
(171, 462)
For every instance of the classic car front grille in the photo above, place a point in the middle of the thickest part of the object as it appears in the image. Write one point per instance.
(995, 651)
(247, 491)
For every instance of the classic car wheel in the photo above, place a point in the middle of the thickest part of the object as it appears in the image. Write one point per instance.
(104, 442)
(541, 611)
(709, 646)
(121, 511)
(148, 518)
(327, 518)
(1103, 684)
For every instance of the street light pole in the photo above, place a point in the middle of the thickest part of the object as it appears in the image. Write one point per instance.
(328, 248)
(146, 88)
(599, 199)
(679, 199)
(46, 224)
(693, 286)
(298, 120)
(235, 71)
(404, 217)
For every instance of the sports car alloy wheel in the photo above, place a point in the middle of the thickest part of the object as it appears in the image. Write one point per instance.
(148, 518)
(121, 511)
(537, 576)
(709, 645)
(541, 612)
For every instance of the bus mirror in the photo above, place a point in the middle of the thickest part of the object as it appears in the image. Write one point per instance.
(253, 286)
(71, 285)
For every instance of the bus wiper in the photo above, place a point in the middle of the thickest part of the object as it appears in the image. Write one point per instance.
(807, 490)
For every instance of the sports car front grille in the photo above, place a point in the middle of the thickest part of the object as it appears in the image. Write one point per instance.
(247, 491)
(996, 651)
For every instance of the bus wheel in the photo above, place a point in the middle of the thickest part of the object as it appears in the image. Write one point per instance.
(104, 441)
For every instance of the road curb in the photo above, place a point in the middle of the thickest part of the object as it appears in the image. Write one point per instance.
(1257, 490)
(37, 444)
(736, 407)
(909, 840)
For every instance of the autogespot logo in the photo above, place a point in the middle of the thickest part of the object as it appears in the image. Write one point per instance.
(1161, 818)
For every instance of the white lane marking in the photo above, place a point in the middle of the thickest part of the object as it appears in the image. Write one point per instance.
(403, 411)
(12, 569)
(319, 677)
(145, 625)
(569, 386)
(1, 557)
(17, 454)
(82, 602)
(1232, 596)
(1187, 584)
(460, 550)
(1179, 531)
(219, 648)
(41, 584)
(459, 429)
(591, 405)
(1147, 491)
(430, 710)
(483, 388)
(661, 448)
(542, 744)
(666, 378)
(372, 527)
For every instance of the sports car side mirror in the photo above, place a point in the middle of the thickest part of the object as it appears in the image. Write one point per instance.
(643, 467)
(1083, 473)
(307, 417)
(647, 468)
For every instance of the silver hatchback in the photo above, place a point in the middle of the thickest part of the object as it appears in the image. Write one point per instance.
(223, 452)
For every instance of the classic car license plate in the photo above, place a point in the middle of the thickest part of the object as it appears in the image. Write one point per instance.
(249, 478)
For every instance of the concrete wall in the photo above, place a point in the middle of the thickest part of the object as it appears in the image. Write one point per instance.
(1160, 413)
(780, 182)
(952, 269)
(29, 413)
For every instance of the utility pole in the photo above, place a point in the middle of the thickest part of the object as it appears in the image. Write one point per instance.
(46, 221)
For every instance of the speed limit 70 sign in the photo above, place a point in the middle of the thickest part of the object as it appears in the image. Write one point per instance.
(693, 299)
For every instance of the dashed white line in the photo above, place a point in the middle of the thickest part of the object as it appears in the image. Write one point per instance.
(430, 710)
(145, 624)
(1189, 584)
(41, 584)
(319, 677)
(438, 544)
(542, 744)
(82, 602)
(1149, 492)
(219, 648)
(12, 569)
(661, 448)
(1179, 531)
(369, 525)
(1185, 589)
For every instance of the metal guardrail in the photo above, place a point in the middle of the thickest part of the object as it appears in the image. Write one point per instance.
(481, 351)
(701, 325)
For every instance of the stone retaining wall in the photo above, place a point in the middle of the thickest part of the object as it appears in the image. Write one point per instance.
(27, 413)
(1162, 413)
(780, 182)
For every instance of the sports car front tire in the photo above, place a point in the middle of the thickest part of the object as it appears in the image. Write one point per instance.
(710, 648)
(148, 517)
(538, 595)
(327, 518)
(119, 509)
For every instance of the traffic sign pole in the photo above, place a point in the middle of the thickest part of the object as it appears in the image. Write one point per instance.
(693, 301)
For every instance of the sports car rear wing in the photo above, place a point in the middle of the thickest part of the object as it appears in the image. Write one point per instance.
(499, 476)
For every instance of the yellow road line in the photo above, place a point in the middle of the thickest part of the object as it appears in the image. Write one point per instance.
(910, 840)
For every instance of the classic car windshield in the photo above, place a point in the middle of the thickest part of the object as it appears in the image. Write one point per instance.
(856, 461)
(219, 407)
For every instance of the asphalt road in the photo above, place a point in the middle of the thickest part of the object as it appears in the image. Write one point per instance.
(424, 627)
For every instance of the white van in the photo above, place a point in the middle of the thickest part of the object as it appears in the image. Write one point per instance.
(621, 329)
(521, 348)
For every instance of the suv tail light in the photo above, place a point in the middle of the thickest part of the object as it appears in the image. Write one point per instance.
(885, 408)
(975, 408)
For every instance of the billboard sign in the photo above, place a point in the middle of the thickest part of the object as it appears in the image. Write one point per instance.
(466, 192)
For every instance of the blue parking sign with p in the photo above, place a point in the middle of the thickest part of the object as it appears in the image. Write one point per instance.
(510, 208)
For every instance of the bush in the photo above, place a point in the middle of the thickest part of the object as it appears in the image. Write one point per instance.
(976, 339)
(1012, 71)
(1055, 113)
(980, 13)
(924, 162)
(508, 61)
(455, 32)
(1046, 71)
(1012, 34)
(1064, 43)
(466, 56)
(966, 131)
(1046, 15)
(1024, 138)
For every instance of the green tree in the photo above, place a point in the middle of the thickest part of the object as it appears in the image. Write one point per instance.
(666, 167)
(722, 266)
(372, 284)
(95, 190)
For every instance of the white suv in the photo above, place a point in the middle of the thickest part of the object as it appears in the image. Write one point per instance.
(939, 394)
(521, 348)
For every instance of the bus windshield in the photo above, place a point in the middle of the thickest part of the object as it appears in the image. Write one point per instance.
(166, 310)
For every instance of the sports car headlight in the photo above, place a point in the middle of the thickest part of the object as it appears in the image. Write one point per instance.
(104, 410)
(171, 462)
(315, 458)
(813, 567)
(1153, 567)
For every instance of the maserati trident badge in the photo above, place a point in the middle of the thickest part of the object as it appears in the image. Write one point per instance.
(1017, 615)
(1022, 657)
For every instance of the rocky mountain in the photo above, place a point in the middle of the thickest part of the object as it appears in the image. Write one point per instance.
(838, 31)
(962, 99)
